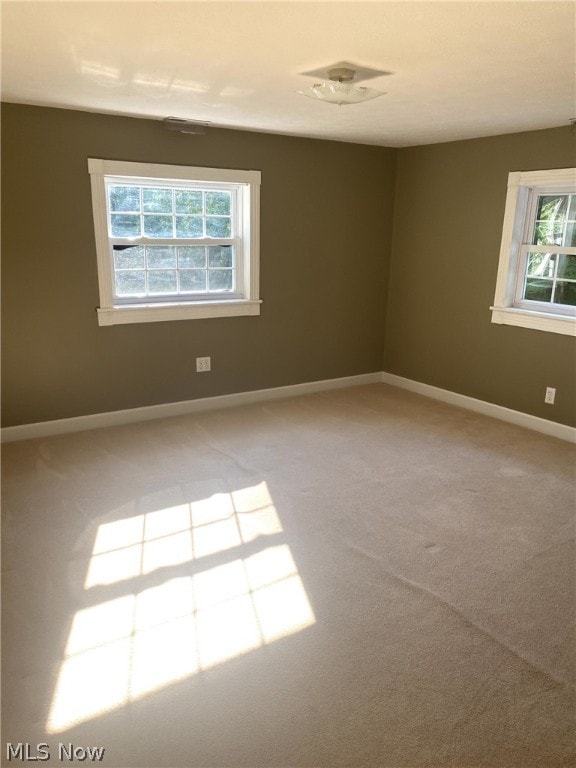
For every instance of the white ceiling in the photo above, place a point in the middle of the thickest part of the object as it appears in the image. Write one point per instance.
(457, 69)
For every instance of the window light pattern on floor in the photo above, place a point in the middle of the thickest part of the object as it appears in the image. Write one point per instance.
(127, 647)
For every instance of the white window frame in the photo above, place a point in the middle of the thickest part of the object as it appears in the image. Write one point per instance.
(245, 301)
(509, 308)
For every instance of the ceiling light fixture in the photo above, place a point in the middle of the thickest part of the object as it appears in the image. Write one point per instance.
(339, 89)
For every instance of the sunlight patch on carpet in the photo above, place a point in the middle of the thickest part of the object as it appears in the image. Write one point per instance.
(121, 649)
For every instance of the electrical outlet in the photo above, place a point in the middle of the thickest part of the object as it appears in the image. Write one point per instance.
(550, 395)
(202, 364)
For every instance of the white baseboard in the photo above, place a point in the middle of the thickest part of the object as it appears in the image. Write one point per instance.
(164, 410)
(551, 428)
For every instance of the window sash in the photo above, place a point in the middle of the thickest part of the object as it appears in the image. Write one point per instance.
(177, 296)
(179, 271)
(528, 247)
(522, 276)
(532, 206)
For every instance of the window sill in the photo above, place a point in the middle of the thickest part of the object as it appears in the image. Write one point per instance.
(539, 321)
(152, 313)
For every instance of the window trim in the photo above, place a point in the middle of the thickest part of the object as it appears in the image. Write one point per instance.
(520, 186)
(111, 313)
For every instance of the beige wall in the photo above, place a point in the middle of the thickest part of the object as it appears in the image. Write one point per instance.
(447, 228)
(326, 232)
(325, 248)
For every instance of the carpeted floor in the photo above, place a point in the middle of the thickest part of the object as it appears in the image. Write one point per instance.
(361, 577)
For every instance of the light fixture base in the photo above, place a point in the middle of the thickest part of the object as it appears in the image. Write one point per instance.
(341, 74)
(361, 72)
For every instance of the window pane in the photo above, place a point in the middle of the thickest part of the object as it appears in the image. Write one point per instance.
(218, 203)
(541, 264)
(162, 281)
(565, 293)
(192, 280)
(188, 202)
(570, 237)
(124, 198)
(220, 279)
(552, 207)
(131, 283)
(550, 216)
(192, 256)
(189, 226)
(158, 226)
(567, 267)
(572, 207)
(125, 225)
(218, 226)
(161, 256)
(538, 290)
(129, 258)
(220, 256)
(156, 200)
(548, 233)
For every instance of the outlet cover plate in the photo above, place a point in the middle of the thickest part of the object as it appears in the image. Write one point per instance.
(203, 364)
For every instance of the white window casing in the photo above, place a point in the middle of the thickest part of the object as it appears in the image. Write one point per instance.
(510, 308)
(243, 188)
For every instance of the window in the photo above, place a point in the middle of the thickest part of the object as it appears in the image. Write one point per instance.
(175, 242)
(536, 284)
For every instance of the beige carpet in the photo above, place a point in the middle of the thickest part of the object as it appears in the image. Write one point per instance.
(362, 577)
